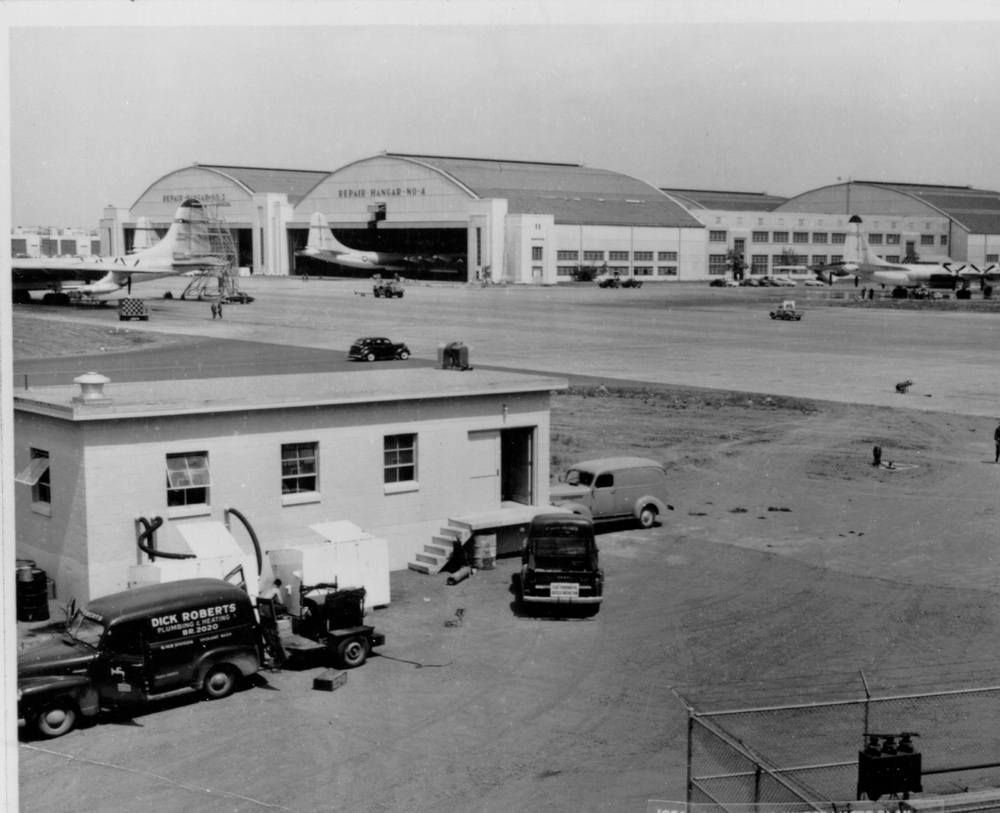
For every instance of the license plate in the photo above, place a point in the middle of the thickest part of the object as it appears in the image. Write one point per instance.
(565, 590)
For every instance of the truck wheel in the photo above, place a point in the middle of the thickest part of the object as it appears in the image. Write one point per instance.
(647, 517)
(352, 652)
(56, 719)
(219, 682)
(377, 293)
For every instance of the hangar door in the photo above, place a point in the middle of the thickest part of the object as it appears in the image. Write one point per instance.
(501, 467)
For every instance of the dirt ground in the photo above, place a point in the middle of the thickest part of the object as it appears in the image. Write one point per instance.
(789, 564)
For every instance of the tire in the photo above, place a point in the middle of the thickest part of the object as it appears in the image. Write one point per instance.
(56, 719)
(377, 294)
(219, 682)
(352, 652)
(404, 354)
(647, 516)
(122, 318)
(370, 357)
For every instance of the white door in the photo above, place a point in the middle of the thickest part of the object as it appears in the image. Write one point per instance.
(484, 470)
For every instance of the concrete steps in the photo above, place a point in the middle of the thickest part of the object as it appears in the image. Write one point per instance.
(439, 550)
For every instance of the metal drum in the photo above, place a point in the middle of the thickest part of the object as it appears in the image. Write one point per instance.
(32, 593)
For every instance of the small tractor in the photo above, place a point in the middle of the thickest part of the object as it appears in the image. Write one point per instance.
(786, 310)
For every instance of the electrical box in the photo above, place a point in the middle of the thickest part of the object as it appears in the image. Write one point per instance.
(889, 769)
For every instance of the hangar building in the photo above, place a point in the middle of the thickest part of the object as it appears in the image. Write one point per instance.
(513, 221)
(399, 453)
(916, 221)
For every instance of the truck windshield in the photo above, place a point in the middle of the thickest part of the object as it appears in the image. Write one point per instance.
(85, 630)
(578, 477)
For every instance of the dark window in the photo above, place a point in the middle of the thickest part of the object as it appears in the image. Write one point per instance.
(819, 237)
(643, 256)
(717, 237)
(781, 237)
(760, 236)
(927, 239)
(299, 471)
(606, 480)
(800, 237)
(618, 255)
(400, 458)
(667, 256)
(536, 252)
(838, 238)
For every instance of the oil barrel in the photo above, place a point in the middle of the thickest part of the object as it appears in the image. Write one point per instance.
(484, 551)
(32, 597)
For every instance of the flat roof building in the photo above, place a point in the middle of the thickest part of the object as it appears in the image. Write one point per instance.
(395, 452)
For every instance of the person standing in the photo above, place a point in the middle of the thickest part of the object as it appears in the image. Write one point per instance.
(215, 310)
(996, 443)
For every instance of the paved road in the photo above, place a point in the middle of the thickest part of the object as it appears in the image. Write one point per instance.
(669, 334)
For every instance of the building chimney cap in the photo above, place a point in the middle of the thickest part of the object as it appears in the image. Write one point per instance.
(91, 389)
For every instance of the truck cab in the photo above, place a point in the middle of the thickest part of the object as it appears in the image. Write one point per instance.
(138, 645)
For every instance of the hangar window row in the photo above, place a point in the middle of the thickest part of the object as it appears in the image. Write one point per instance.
(619, 256)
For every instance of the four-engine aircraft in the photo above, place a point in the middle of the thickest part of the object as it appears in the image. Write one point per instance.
(861, 263)
(183, 249)
(322, 245)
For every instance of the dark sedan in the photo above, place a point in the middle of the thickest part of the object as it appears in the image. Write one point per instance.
(377, 348)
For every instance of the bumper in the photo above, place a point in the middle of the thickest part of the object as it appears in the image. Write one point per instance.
(562, 600)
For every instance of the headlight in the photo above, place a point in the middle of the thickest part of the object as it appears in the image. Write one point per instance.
(19, 695)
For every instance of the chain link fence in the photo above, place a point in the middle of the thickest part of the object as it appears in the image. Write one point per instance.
(800, 758)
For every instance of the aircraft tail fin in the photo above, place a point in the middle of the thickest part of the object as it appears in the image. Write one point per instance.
(321, 237)
(187, 243)
(857, 249)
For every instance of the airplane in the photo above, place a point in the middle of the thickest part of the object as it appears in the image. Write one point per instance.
(322, 245)
(184, 248)
(861, 263)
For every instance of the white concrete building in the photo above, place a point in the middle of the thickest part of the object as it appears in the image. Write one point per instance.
(396, 452)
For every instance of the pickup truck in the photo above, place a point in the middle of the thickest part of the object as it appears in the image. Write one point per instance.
(786, 310)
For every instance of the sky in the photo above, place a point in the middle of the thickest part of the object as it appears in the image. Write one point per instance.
(778, 97)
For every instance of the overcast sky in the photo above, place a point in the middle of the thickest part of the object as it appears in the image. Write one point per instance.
(754, 96)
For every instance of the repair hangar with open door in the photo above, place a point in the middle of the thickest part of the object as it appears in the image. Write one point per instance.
(463, 220)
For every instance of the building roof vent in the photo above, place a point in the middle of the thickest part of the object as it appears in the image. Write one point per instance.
(91, 389)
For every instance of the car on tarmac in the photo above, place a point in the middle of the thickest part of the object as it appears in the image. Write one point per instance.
(377, 348)
(238, 298)
(631, 282)
(814, 283)
(717, 283)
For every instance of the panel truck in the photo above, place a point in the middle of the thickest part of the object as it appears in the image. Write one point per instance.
(139, 645)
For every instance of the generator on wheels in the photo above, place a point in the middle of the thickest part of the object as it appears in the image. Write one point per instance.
(329, 620)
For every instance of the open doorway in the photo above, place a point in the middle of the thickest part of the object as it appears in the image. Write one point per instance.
(517, 469)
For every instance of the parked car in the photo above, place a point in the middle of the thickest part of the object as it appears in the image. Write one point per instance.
(608, 281)
(749, 282)
(238, 298)
(632, 282)
(814, 283)
(559, 563)
(614, 488)
(717, 283)
(377, 348)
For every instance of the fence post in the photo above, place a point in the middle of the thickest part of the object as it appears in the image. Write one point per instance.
(868, 703)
